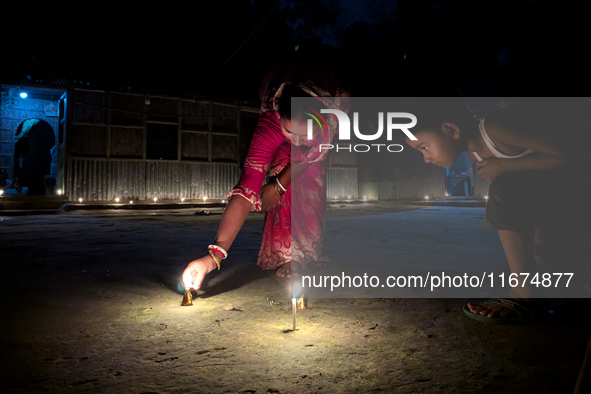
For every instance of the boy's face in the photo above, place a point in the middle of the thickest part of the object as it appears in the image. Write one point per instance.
(441, 148)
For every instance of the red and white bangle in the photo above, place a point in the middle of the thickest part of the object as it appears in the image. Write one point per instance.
(219, 249)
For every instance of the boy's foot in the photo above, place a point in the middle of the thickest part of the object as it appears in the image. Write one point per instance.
(506, 307)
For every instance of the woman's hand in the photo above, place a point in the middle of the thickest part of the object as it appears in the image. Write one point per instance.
(196, 271)
(490, 168)
(269, 197)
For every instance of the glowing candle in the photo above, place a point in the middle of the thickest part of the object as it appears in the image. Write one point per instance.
(183, 199)
(204, 198)
(187, 298)
(59, 192)
(117, 199)
(295, 291)
(131, 202)
(79, 200)
(293, 312)
(155, 199)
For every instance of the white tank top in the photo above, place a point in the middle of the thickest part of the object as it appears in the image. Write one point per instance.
(493, 148)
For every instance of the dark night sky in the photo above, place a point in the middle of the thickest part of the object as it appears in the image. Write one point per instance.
(377, 48)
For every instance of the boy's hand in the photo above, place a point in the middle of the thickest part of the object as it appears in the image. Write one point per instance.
(490, 168)
(196, 271)
(269, 197)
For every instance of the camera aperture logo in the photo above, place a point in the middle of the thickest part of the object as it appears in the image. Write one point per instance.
(344, 134)
(311, 124)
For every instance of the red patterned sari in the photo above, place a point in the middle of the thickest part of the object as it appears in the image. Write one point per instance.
(285, 240)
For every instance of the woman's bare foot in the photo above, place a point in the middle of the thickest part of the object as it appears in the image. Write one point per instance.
(284, 271)
(322, 261)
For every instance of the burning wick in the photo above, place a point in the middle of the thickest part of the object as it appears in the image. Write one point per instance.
(117, 199)
(293, 312)
(204, 198)
(155, 199)
(295, 291)
(79, 200)
(131, 202)
(183, 199)
(187, 298)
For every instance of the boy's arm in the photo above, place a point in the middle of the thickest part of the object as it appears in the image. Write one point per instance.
(547, 154)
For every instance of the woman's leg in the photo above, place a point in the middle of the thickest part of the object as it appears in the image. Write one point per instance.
(276, 250)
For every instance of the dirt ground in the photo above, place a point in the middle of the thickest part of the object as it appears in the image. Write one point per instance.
(90, 303)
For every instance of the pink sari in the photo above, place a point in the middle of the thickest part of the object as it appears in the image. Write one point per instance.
(284, 240)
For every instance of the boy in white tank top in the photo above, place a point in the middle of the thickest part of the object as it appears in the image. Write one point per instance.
(513, 149)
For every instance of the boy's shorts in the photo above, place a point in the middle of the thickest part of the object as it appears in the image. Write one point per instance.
(522, 200)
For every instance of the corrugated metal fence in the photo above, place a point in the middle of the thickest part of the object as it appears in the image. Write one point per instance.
(105, 180)
(480, 186)
(342, 183)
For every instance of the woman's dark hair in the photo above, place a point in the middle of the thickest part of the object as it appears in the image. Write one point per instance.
(300, 74)
(285, 107)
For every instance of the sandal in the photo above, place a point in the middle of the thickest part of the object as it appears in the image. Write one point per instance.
(524, 316)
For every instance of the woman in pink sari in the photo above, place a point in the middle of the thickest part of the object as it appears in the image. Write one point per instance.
(288, 236)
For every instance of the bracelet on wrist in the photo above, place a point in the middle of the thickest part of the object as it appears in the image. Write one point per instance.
(277, 189)
(215, 257)
(280, 185)
(221, 251)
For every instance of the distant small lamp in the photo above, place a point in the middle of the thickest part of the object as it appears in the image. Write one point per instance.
(59, 192)
(155, 199)
(364, 198)
(80, 200)
(426, 197)
(131, 202)
(204, 198)
(1, 192)
(223, 201)
(183, 199)
(117, 199)
(486, 197)
(349, 197)
(23, 95)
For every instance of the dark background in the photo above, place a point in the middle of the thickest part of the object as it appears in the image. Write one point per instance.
(376, 47)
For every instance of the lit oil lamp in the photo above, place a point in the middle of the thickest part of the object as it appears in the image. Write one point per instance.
(297, 301)
(187, 298)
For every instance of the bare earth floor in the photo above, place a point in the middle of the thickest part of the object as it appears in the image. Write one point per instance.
(90, 304)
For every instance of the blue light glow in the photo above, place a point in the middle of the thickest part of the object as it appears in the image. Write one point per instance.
(23, 95)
